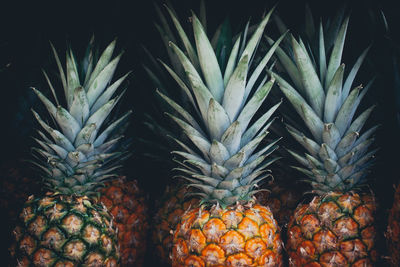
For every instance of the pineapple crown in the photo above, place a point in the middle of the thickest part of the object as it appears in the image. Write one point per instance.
(310, 29)
(337, 157)
(228, 161)
(84, 147)
(162, 144)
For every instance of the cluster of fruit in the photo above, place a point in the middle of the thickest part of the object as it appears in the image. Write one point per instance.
(223, 214)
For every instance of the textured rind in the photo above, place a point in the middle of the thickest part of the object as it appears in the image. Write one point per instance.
(333, 230)
(15, 187)
(281, 200)
(128, 206)
(281, 195)
(167, 217)
(63, 230)
(393, 230)
(235, 236)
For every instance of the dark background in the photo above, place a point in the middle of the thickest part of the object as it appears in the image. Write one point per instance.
(26, 27)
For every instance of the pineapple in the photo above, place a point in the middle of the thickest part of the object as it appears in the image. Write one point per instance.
(337, 227)
(128, 206)
(280, 197)
(174, 202)
(15, 187)
(229, 228)
(393, 230)
(69, 226)
(286, 193)
(173, 205)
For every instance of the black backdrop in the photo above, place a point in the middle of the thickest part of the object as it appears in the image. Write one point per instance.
(26, 27)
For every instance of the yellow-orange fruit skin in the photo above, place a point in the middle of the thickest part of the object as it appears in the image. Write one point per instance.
(127, 204)
(172, 207)
(336, 229)
(234, 236)
(393, 230)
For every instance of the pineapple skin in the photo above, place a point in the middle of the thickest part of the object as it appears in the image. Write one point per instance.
(15, 188)
(281, 197)
(128, 206)
(282, 201)
(336, 229)
(393, 230)
(167, 218)
(64, 230)
(235, 236)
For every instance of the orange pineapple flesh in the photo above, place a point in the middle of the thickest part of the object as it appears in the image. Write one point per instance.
(235, 236)
(167, 218)
(333, 230)
(127, 204)
(393, 230)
